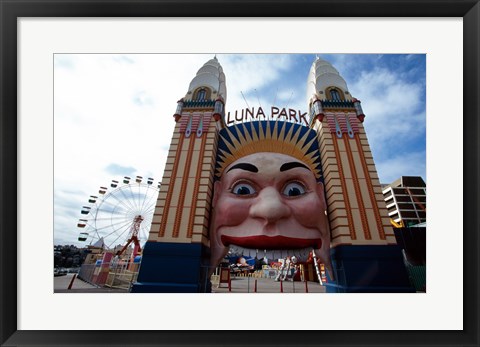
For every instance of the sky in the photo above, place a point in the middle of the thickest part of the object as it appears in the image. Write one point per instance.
(113, 116)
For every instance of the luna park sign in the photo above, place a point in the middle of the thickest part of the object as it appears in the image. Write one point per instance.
(249, 114)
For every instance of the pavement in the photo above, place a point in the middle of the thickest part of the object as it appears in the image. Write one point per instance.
(238, 285)
(61, 284)
(267, 285)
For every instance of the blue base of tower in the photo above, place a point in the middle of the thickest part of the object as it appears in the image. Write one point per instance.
(369, 269)
(173, 268)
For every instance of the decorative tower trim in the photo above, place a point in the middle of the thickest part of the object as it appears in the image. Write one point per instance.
(183, 188)
(196, 190)
(358, 192)
(172, 176)
(346, 197)
(371, 192)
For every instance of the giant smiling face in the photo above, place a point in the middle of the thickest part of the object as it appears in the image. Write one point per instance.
(270, 204)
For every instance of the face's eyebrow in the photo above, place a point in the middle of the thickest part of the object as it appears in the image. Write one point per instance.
(244, 166)
(291, 165)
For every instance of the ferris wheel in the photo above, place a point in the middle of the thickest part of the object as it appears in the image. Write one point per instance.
(119, 215)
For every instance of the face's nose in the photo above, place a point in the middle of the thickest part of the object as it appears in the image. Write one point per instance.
(269, 206)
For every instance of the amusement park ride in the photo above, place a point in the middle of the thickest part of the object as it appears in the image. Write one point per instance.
(133, 237)
(120, 215)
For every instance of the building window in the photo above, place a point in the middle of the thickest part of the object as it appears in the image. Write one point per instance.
(335, 95)
(201, 95)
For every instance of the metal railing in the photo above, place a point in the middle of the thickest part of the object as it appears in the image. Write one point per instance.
(113, 275)
(267, 280)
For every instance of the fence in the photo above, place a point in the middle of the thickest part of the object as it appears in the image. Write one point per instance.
(416, 274)
(113, 275)
(121, 275)
(266, 280)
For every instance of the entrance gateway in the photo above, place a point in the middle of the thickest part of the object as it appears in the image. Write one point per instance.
(217, 192)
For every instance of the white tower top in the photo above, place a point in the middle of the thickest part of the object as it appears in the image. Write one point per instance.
(325, 82)
(210, 78)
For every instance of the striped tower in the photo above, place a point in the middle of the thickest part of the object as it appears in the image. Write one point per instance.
(176, 256)
(364, 253)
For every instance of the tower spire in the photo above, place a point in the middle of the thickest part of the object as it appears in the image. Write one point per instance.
(211, 79)
(323, 80)
(179, 229)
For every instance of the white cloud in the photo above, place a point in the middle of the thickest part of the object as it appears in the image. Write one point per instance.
(250, 71)
(97, 121)
(394, 111)
(407, 164)
(249, 74)
(285, 96)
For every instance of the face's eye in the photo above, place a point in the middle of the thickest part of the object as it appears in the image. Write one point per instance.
(243, 189)
(294, 189)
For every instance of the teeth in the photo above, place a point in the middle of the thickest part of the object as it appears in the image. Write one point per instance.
(271, 255)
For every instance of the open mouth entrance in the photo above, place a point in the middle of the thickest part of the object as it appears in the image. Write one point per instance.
(269, 255)
(270, 248)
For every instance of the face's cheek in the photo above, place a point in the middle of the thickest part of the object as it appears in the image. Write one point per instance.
(309, 211)
(230, 210)
(306, 210)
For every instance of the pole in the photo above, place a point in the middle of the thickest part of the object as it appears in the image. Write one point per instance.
(306, 286)
(71, 282)
(206, 278)
(255, 285)
(115, 274)
(281, 286)
(316, 268)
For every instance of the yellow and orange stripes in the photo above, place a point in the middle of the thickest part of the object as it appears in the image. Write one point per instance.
(371, 192)
(168, 198)
(343, 182)
(196, 187)
(358, 192)
(183, 188)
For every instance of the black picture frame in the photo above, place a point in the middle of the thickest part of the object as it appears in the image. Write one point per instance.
(11, 10)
